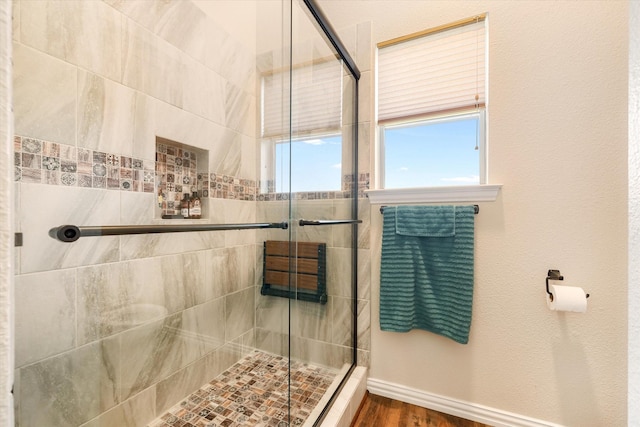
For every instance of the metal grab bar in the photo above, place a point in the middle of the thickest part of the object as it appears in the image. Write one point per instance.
(71, 233)
(304, 222)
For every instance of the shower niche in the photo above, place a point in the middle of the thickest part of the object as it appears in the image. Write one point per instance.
(182, 180)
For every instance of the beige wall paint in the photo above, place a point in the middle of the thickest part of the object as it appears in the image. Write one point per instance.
(558, 142)
(633, 357)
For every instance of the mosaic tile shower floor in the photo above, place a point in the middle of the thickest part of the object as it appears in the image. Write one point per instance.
(253, 392)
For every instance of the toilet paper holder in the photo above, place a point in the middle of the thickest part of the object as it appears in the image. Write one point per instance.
(554, 275)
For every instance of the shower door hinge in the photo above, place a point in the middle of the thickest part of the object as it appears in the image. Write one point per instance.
(18, 240)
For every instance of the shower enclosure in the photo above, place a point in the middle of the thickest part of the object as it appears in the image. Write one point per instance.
(126, 312)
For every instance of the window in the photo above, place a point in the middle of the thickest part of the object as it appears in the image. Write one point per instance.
(316, 166)
(431, 107)
(305, 101)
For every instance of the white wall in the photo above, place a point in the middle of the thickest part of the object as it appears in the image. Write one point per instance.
(558, 142)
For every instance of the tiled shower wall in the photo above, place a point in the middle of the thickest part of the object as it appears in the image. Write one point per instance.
(123, 327)
(117, 329)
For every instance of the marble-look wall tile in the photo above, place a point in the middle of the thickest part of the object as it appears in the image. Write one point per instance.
(342, 236)
(153, 66)
(134, 412)
(248, 342)
(141, 11)
(312, 320)
(53, 26)
(230, 58)
(66, 205)
(137, 208)
(364, 325)
(175, 387)
(193, 281)
(272, 342)
(106, 114)
(339, 270)
(72, 388)
(322, 353)
(272, 313)
(229, 270)
(249, 161)
(167, 78)
(275, 211)
(364, 358)
(155, 351)
(364, 274)
(144, 132)
(15, 20)
(364, 46)
(238, 211)
(239, 108)
(151, 245)
(222, 358)
(364, 229)
(44, 96)
(342, 323)
(183, 24)
(342, 318)
(45, 317)
(348, 116)
(116, 297)
(314, 209)
(225, 152)
(177, 125)
(203, 92)
(239, 312)
(139, 57)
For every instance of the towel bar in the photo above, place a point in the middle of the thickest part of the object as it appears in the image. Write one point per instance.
(476, 209)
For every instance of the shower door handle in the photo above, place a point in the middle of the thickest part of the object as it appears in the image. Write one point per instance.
(304, 222)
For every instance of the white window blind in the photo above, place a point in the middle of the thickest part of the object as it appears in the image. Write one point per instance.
(316, 94)
(438, 72)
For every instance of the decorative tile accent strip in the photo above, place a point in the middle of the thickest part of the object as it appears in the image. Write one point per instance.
(229, 187)
(45, 162)
(253, 392)
(346, 192)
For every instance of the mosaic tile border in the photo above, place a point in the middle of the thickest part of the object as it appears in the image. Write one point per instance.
(253, 392)
(43, 162)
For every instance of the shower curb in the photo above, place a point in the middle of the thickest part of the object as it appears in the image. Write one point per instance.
(346, 405)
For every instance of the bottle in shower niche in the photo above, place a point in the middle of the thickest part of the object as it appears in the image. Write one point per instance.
(195, 206)
(184, 206)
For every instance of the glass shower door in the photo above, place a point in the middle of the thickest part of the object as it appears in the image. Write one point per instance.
(324, 221)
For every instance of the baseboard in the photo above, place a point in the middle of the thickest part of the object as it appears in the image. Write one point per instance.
(458, 408)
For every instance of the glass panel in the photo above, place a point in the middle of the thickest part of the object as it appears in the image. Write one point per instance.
(137, 330)
(142, 329)
(322, 333)
(317, 167)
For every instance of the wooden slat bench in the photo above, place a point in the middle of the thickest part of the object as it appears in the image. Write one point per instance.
(295, 270)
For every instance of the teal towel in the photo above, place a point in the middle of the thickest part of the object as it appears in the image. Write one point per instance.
(427, 282)
(439, 222)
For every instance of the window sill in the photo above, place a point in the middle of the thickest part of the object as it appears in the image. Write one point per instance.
(454, 193)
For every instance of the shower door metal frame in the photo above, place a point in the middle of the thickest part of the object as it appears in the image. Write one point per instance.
(335, 41)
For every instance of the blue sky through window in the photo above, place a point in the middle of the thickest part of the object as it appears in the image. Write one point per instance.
(432, 154)
(316, 165)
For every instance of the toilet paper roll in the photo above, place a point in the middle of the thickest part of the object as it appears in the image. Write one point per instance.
(567, 298)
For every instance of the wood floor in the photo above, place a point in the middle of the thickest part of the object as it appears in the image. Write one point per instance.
(378, 411)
